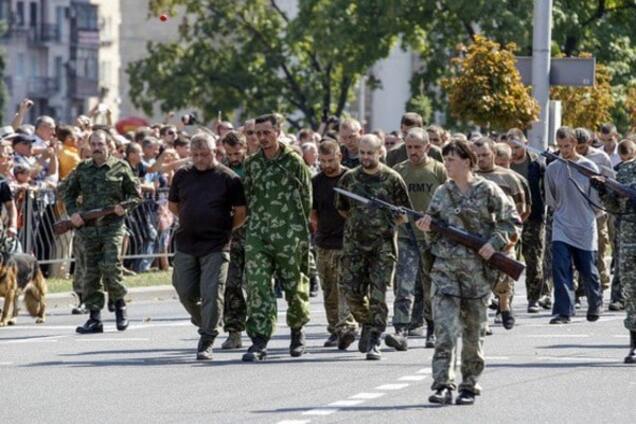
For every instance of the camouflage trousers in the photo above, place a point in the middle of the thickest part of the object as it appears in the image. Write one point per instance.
(459, 301)
(627, 270)
(367, 273)
(287, 258)
(235, 307)
(532, 248)
(617, 290)
(413, 268)
(339, 318)
(79, 267)
(103, 264)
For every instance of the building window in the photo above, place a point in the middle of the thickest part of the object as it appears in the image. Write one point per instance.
(4, 9)
(19, 13)
(59, 70)
(86, 16)
(20, 68)
(87, 63)
(33, 14)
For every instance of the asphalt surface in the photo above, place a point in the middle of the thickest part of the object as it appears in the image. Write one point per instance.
(536, 373)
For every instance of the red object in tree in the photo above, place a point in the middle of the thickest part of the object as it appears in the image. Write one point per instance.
(163, 17)
(130, 123)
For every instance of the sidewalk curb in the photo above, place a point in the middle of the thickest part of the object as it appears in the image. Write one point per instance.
(137, 294)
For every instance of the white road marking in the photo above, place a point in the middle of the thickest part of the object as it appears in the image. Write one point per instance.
(392, 386)
(558, 336)
(424, 371)
(621, 336)
(578, 358)
(497, 358)
(5, 364)
(113, 339)
(412, 378)
(321, 411)
(345, 403)
(294, 422)
(44, 339)
(367, 396)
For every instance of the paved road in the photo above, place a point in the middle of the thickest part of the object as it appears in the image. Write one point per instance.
(535, 373)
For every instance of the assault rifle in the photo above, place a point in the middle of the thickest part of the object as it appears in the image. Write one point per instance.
(611, 184)
(89, 217)
(474, 242)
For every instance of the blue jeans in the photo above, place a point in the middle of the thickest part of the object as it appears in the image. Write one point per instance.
(563, 255)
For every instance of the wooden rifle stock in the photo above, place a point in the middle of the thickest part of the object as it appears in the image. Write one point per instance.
(498, 260)
(474, 242)
(89, 217)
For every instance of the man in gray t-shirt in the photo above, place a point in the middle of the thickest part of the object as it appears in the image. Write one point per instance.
(574, 236)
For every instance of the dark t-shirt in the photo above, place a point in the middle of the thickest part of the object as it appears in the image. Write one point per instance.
(205, 202)
(330, 222)
(5, 192)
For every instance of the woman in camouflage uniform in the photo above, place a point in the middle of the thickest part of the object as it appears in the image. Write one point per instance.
(461, 280)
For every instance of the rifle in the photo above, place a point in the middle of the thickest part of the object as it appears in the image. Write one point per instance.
(611, 184)
(61, 227)
(474, 242)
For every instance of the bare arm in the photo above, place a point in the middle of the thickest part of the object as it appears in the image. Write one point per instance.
(240, 213)
(174, 208)
(313, 220)
(24, 107)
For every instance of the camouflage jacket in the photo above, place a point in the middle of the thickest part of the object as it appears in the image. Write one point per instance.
(100, 187)
(627, 235)
(485, 210)
(366, 227)
(278, 193)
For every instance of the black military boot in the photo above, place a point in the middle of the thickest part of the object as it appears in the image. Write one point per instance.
(430, 334)
(93, 325)
(332, 341)
(443, 396)
(297, 345)
(399, 340)
(256, 352)
(507, 319)
(345, 339)
(373, 347)
(465, 398)
(631, 357)
(110, 305)
(121, 316)
(364, 339)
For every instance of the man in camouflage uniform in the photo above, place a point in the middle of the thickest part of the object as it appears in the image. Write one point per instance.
(627, 245)
(509, 182)
(461, 279)
(278, 190)
(369, 245)
(533, 238)
(235, 307)
(102, 181)
(422, 176)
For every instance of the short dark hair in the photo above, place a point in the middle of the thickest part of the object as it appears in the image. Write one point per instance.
(273, 118)
(182, 140)
(461, 149)
(130, 146)
(608, 128)
(63, 132)
(328, 147)
(565, 132)
(582, 136)
(233, 139)
(412, 119)
(164, 129)
(141, 133)
(485, 141)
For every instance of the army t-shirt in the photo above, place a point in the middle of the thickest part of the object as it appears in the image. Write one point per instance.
(421, 181)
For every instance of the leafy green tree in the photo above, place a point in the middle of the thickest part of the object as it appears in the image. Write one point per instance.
(487, 89)
(254, 56)
(604, 28)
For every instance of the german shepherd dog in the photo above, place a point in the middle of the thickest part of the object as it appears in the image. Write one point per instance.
(21, 273)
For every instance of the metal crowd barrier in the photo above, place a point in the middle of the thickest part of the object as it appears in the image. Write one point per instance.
(149, 230)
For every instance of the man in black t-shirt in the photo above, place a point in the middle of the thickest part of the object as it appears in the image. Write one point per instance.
(329, 227)
(10, 231)
(209, 200)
